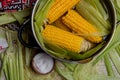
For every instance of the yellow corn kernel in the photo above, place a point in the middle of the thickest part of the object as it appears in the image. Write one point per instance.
(81, 26)
(58, 8)
(64, 39)
(59, 23)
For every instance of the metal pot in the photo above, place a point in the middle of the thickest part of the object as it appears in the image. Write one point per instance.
(108, 6)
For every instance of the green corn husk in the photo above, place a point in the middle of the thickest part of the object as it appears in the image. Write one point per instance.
(99, 7)
(117, 7)
(70, 66)
(92, 15)
(105, 52)
(108, 65)
(7, 18)
(31, 75)
(12, 59)
(118, 49)
(42, 11)
(19, 16)
(40, 15)
(27, 51)
(56, 50)
(3, 40)
(81, 72)
(115, 42)
(63, 71)
(102, 77)
(27, 56)
(38, 34)
(44, 6)
(3, 61)
(20, 62)
(115, 59)
(2, 33)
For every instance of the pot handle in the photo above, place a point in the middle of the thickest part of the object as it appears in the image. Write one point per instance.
(32, 42)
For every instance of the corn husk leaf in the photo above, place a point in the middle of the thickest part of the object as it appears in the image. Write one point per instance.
(19, 16)
(63, 71)
(117, 7)
(115, 42)
(115, 59)
(97, 4)
(31, 75)
(80, 72)
(108, 65)
(42, 11)
(12, 59)
(92, 15)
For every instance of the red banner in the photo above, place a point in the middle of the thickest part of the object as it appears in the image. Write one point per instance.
(15, 5)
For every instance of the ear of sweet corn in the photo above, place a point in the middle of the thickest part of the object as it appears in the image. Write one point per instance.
(64, 39)
(60, 24)
(82, 27)
(59, 7)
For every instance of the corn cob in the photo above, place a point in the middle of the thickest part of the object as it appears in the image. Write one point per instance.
(65, 39)
(59, 23)
(82, 27)
(58, 8)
